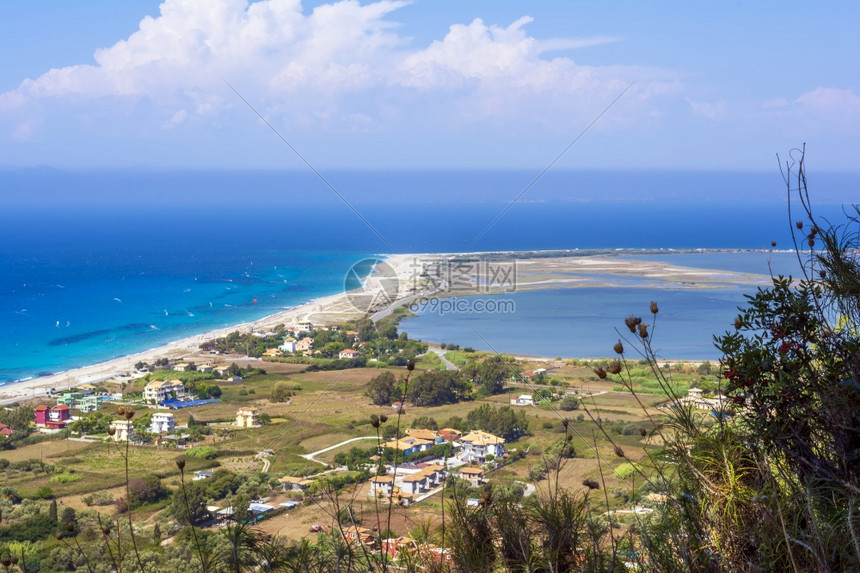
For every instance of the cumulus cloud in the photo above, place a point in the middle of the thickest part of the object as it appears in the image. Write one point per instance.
(342, 64)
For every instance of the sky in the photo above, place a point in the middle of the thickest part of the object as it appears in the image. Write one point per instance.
(441, 84)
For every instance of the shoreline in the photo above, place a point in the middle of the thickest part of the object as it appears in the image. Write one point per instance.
(541, 270)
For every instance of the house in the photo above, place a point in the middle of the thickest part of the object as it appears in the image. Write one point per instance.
(70, 399)
(523, 400)
(290, 483)
(247, 418)
(182, 367)
(408, 445)
(450, 434)
(6, 430)
(233, 379)
(289, 345)
(205, 368)
(201, 475)
(91, 403)
(40, 413)
(393, 546)
(272, 353)
(123, 430)
(348, 353)
(158, 391)
(435, 475)
(477, 445)
(86, 389)
(58, 416)
(414, 484)
(475, 476)
(424, 434)
(355, 534)
(305, 345)
(162, 423)
(694, 398)
(381, 485)
(304, 327)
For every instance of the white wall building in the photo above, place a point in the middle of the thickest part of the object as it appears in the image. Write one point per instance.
(158, 391)
(162, 423)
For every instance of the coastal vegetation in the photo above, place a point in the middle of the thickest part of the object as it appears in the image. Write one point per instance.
(608, 466)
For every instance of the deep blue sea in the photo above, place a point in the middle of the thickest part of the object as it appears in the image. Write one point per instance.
(96, 266)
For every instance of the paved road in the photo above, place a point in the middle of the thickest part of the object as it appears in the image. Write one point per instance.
(441, 354)
(324, 450)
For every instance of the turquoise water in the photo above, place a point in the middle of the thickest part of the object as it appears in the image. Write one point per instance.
(96, 266)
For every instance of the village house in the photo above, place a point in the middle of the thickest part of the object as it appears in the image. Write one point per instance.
(523, 400)
(123, 430)
(424, 434)
(289, 345)
(200, 475)
(348, 353)
(477, 445)
(91, 403)
(52, 417)
(6, 430)
(182, 367)
(272, 353)
(71, 399)
(695, 399)
(305, 345)
(474, 476)
(381, 485)
(162, 423)
(206, 368)
(450, 434)
(358, 535)
(393, 546)
(408, 445)
(414, 484)
(290, 483)
(158, 391)
(304, 327)
(247, 418)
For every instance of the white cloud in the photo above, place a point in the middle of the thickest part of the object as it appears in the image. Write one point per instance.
(342, 66)
(831, 100)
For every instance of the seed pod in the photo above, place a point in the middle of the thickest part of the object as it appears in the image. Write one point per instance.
(654, 308)
(410, 365)
(619, 452)
(14, 560)
(618, 348)
(121, 411)
(631, 322)
(772, 244)
(180, 463)
(811, 242)
(6, 562)
(799, 224)
(643, 432)
(70, 527)
(111, 431)
(614, 368)
(374, 421)
(129, 414)
(739, 322)
(590, 484)
(383, 418)
(643, 331)
(822, 274)
(565, 422)
(601, 373)
(59, 535)
(106, 530)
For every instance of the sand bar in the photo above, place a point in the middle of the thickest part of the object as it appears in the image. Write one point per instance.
(407, 276)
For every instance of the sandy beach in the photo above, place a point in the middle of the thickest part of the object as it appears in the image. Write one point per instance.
(407, 276)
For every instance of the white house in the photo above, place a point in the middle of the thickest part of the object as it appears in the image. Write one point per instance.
(523, 400)
(158, 391)
(414, 484)
(477, 445)
(305, 327)
(162, 423)
(123, 430)
(348, 353)
(381, 485)
(289, 345)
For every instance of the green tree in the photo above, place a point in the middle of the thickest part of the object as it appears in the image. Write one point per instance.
(436, 388)
(569, 403)
(503, 421)
(489, 374)
(382, 389)
(282, 391)
(196, 504)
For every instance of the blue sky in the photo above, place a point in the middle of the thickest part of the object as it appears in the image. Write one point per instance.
(428, 84)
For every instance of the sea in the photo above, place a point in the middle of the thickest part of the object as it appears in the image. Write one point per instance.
(97, 265)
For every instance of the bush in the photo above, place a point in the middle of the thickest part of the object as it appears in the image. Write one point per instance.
(569, 403)
(203, 452)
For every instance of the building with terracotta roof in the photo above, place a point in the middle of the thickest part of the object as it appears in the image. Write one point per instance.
(41, 415)
(6, 430)
(408, 445)
(348, 354)
(290, 483)
(424, 434)
(475, 476)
